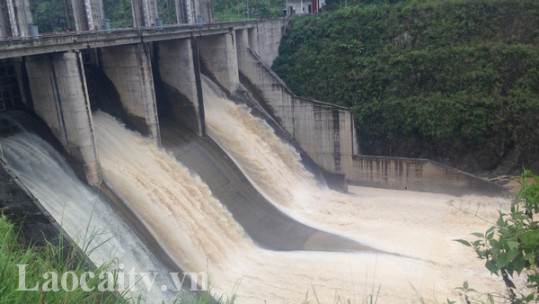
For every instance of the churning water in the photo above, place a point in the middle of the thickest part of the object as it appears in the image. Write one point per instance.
(418, 225)
(201, 235)
(83, 214)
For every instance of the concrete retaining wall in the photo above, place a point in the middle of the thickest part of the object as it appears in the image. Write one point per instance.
(416, 175)
(60, 98)
(327, 133)
(323, 130)
(270, 33)
(129, 68)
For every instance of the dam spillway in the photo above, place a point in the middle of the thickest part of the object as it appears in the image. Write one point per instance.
(206, 235)
(201, 234)
(84, 214)
(240, 205)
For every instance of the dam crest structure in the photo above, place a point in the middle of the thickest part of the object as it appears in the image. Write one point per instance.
(155, 71)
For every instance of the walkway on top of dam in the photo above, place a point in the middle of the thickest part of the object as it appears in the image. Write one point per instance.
(68, 41)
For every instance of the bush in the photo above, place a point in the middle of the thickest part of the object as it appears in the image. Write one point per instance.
(449, 80)
(511, 247)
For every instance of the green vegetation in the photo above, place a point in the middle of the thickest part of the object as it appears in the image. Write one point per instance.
(456, 81)
(40, 261)
(121, 15)
(511, 246)
(167, 11)
(52, 15)
(56, 258)
(119, 12)
(245, 9)
(57, 15)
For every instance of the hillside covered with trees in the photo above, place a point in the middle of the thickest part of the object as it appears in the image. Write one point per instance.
(455, 81)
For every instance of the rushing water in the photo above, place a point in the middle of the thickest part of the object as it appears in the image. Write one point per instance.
(201, 235)
(413, 224)
(83, 214)
(275, 168)
(187, 220)
(272, 165)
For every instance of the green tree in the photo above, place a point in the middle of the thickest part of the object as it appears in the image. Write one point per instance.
(454, 81)
(52, 15)
(167, 11)
(119, 12)
(510, 248)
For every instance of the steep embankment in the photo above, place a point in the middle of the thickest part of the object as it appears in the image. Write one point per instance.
(454, 81)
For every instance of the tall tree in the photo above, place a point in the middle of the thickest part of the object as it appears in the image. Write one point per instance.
(52, 15)
(119, 12)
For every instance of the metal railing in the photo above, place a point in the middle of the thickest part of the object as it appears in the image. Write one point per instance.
(137, 30)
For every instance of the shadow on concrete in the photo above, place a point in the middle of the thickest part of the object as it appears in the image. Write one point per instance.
(264, 223)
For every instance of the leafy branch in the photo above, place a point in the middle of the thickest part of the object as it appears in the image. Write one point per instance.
(510, 248)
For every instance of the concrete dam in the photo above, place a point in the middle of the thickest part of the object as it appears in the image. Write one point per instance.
(184, 152)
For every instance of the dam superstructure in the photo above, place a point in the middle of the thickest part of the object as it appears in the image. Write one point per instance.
(156, 70)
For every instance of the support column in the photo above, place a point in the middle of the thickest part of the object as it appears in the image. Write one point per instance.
(184, 11)
(15, 18)
(220, 59)
(60, 98)
(5, 28)
(194, 11)
(129, 68)
(203, 11)
(270, 34)
(144, 13)
(242, 46)
(89, 14)
(253, 39)
(178, 73)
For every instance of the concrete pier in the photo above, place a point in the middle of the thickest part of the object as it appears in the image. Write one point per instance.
(253, 39)
(219, 57)
(203, 11)
(89, 14)
(144, 13)
(178, 75)
(129, 69)
(183, 11)
(235, 55)
(324, 131)
(60, 98)
(15, 18)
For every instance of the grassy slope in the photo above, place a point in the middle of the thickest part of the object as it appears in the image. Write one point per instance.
(51, 258)
(456, 81)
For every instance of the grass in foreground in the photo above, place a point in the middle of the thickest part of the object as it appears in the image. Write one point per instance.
(39, 261)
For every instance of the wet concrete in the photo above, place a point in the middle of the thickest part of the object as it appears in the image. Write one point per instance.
(264, 223)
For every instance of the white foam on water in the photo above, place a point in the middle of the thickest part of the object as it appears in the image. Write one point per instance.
(202, 235)
(82, 213)
(419, 225)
